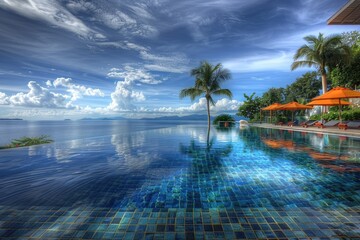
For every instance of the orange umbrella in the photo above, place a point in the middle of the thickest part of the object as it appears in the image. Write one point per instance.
(338, 93)
(327, 102)
(271, 108)
(292, 106)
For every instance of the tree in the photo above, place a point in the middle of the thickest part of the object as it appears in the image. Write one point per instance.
(273, 95)
(348, 75)
(251, 106)
(322, 52)
(352, 39)
(224, 118)
(305, 87)
(207, 82)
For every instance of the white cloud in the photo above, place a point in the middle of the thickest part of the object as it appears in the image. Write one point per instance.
(53, 13)
(130, 75)
(175, 63)
(308, 12)
(280, 61)
(48, 83)
(114, 16)
(222, 105)
(123, 45)
(4, 100)
(77, 91)
(226, 105)
(38, 97)
(123, 97)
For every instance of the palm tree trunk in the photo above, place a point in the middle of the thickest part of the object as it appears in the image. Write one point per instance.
(208, 111)
(324, 82)
(324, 88)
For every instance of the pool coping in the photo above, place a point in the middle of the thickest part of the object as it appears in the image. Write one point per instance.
(329, 130)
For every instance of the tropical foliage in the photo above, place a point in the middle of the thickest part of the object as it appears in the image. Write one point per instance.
(305, 87)
(348, 75)
(224, 118)
(323, 53)
(251, 107)
(349, 115)
(337, 58)
(28, 141)
(302, 90)
(273, 95)
(208, 79)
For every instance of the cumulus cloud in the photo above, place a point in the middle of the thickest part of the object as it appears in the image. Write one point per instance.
(38, 96)
(3, 99)
(43, 97)
(222, 105)
(77, 91)
(48, 83)
(124, 96)
(52, 13)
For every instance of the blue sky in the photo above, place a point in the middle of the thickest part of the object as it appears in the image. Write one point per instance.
(76, 58)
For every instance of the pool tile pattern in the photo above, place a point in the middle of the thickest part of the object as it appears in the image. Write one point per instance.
(238, 189)
(244, 223)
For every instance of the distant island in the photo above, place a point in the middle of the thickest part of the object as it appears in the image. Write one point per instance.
(11, 119)
(194, 117)
(110, 118)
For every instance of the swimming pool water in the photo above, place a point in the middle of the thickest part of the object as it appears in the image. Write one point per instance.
(167, 182)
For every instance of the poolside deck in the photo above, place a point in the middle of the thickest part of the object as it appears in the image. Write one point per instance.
(328, 130)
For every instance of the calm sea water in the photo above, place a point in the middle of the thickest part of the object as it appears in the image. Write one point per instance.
(145, 180)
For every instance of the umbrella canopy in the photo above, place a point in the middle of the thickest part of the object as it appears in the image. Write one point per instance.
(338, 93)
(292, 106)
(271, 108)
(327, 102)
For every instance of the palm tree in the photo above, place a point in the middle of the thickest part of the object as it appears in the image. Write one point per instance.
(321, 52)
(207, 82)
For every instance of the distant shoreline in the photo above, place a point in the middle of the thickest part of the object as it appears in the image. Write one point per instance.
(17, 119)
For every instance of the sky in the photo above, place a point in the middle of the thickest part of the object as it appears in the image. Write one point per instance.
(107, 58)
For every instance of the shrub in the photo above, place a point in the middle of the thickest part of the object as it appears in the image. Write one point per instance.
(315, 117)
(347, 115)
(224, 118)
(28, 141)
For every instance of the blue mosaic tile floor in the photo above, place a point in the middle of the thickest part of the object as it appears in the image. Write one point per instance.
(169, 183)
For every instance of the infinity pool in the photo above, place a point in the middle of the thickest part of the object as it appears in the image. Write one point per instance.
(137, 180)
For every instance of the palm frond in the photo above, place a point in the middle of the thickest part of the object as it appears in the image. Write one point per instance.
(190, 92)
(312, 38)
(225, 92)
(303, 63)
(303, 51)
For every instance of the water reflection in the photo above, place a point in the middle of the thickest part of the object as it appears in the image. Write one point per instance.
(338, 153)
